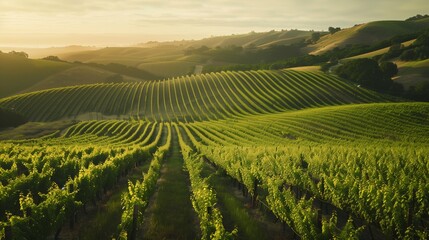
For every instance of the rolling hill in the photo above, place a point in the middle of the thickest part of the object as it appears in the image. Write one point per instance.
(275, 133)
(167, 59)
(19, 74)
(255, 39)
(367, 34)
(193, 98)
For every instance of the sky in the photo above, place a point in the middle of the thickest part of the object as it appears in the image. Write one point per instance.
(43, 23)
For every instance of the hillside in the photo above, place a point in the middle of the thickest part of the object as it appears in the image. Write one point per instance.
(18, 73)
(168, 59)
(412, 73)
(274, 133)
(193, 98)
(379, 51)
(77, 75)
(346, 123)
(51, 51)
(367, 34)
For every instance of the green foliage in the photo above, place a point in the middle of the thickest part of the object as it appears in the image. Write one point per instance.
(419, 50)
(138, 194)
(53, 58)
(315, 37)
(333, 30)
(203, 196)
(417, 17)
(419, 92)
(51, 179)
(10, 118)
(389, 69)
(377, 181)
(190, 98)
(365, 72)
(19, 54)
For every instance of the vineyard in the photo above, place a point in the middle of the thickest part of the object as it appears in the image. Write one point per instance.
(193, 98)
(317, 156)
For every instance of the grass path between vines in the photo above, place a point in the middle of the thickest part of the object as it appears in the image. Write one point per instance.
(170, 214)
(101, 221)
(236, 211)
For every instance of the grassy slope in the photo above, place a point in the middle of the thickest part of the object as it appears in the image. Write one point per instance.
(167, 59)
(367, 34)
(380, 51)
(162, 61)
(18, 73)
(21, 75)
(256, 39)
(412, 73)
(76, 75)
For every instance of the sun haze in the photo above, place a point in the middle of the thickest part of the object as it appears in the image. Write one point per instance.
(42, 23)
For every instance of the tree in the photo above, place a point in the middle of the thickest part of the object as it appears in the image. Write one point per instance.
(53, 58)
(408, 55)
(389, 69)
(417, 17)
(422, 39)
(21, 54)
(10, 118)
(365, 72)
(421, 92)
(333, 30)
(315, 36)
(394, 51)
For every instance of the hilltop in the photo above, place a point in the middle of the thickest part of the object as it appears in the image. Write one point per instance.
(367, 34)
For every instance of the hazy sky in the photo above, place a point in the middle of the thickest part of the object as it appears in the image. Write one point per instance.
(121, 22)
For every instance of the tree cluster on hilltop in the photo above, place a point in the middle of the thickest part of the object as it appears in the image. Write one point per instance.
(417, 17)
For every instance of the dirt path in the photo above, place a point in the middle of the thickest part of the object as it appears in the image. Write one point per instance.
(170, 214)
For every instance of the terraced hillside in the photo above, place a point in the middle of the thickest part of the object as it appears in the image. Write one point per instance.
(345, 158)
(193, 98)
(313, 157)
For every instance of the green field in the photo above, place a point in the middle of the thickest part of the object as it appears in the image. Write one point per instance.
(193, 98)
(311, 153)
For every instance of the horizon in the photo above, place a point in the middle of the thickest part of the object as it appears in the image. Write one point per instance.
(42, 24)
